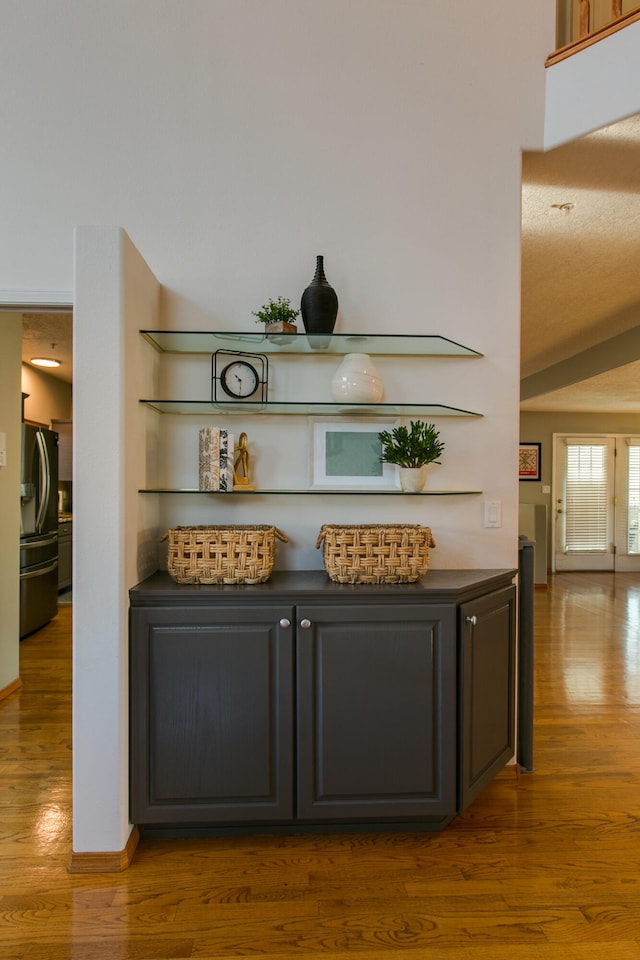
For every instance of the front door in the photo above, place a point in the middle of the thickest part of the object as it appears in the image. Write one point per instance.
(597, 503)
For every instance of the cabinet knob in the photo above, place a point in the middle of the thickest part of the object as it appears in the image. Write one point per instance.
(285, 623)
(472, 621)
(305, 624)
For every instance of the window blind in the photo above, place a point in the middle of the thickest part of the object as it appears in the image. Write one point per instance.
(587, 506)
(633, 499)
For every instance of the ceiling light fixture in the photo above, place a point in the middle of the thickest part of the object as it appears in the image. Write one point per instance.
(45, 362)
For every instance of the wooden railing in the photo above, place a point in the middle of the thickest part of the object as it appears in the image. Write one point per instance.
(581, 23)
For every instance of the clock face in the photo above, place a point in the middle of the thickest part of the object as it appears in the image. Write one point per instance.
(239, 380)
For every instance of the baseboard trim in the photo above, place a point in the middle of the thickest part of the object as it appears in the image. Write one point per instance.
(10, 688)
(109, 862)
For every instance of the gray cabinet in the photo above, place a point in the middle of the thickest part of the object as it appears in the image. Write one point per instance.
(300, 702)
(65, 529)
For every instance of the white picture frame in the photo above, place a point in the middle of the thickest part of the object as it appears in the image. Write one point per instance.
(344, 454)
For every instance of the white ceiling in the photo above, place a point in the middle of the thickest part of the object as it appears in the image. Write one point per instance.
(580, 277)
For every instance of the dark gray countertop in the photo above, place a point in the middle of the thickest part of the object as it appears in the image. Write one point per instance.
(307, 585)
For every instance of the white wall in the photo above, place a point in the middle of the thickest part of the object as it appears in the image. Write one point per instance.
(234, 142)
(115, 291)
(49, 397)
(10, 421)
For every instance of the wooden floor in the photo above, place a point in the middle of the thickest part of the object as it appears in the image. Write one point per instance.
(543, 866)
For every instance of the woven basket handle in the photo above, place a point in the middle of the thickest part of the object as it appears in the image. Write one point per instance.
(278, 533)
(430, 541)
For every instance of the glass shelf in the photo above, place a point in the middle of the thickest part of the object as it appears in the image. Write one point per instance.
(381, 344)
(251, 408)
(323, 491)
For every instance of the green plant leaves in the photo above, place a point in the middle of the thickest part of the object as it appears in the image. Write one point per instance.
(274, 311)
(411, 447)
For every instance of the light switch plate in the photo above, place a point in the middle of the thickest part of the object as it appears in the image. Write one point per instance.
(493, 513)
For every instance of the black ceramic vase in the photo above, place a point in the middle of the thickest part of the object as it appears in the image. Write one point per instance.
(319, 305)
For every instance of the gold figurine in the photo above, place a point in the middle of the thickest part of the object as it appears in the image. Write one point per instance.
(241, 465)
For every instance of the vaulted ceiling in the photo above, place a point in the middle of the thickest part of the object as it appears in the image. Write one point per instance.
(581, 274)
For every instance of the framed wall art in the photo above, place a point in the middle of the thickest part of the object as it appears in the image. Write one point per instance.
(529, 461)
(345, 454)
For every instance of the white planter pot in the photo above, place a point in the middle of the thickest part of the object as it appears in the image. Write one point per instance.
(413, 479)
(357, 381)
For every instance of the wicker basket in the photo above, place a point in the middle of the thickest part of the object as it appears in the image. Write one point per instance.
(375, 553)
(235, 554)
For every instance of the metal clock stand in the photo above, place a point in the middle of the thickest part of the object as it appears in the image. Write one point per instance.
(238, 377)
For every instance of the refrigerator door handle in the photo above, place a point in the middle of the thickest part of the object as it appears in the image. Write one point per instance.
(40, 571)
(45, 477)
(36, 544)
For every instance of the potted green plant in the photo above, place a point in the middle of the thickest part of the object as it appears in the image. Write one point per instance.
(278, 317)
(412, 449)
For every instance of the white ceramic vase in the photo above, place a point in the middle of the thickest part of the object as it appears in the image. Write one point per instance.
(357, 381)
(413, 479)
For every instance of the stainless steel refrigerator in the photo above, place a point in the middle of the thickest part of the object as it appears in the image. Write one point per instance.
(38, 528)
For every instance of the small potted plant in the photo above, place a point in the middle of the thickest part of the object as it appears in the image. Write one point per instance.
(277, 316)
(411, 449)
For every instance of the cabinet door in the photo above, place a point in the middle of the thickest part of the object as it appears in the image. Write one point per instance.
(211, 714)
(376, 711)
(487, 722)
